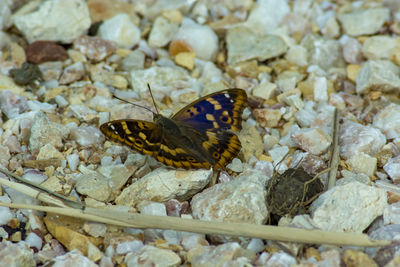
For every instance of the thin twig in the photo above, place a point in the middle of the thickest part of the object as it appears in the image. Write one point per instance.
(335, 149)
(278, 233)
(67, 201)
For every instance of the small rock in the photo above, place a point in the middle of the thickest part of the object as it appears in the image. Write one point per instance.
(73, 161)
(34, 241)
(388, 121)
(267, 117)
(380, 47)
(135, 60)
(152, 256)
(201, 38)
(251, 140)
(117, 174)
(218, 255)
(65, 20)
(391, 214)
(265, 90)
(73, 258)
(392, 168)
(313, 140)
(27, 74)
(244, 44)
(298, 55)
(129, 246)
(72, 73)
(162, 32)
(87, 135)
(121, 30)
(94, 185)
(363, 163)
(43, 51)
(12, 104)
(83, 112)
(277, 259)
(239, 200)
(48, 151)
(164, 184)
(357, 258)
(379, 75)
(360, 204)
(364, 22)
(185, 59)
(355, 138)
(16, 254)
(352, 50)
(266, 16)
(94, 48)
(95, 229)
(5, 213)
(43, 132)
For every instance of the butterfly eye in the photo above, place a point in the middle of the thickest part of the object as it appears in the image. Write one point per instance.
(215, 155)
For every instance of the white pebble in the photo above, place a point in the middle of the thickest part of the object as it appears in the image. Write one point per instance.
(121, 30)
(73, 161)
(33, 240)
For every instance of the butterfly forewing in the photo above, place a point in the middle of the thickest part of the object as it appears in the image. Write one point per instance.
(215, 112)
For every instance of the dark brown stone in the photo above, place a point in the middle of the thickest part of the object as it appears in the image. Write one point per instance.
(43, 51)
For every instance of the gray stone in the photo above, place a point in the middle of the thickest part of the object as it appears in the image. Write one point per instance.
(57, 20)
(244, 44)
(362, 22)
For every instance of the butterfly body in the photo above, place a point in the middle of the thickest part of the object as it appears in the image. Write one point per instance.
(198, 136)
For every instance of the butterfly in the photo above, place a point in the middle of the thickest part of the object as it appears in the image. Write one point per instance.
(198, 136)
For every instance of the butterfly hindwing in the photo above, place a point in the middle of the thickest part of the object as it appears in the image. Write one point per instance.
(215, 112)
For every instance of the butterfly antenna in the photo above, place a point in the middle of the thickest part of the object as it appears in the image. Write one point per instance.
(126, 101)
(155, 106)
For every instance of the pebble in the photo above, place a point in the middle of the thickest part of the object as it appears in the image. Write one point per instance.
(5, 213)
(392, 168)
(239, 200)
(355, 139)
(163, 32)
(65, 20)
(152, 256)
(94, 48)
(118, 174)
(34, 241)
(43, 132)
(360, 204)
(94, 185)
(218, 255)
(388, 121)
(87, 135)
(43, 51)
(380, 47)
(364, 22)
(244, 44)
(164, 184)
(72, 73)
(201, 38)
(363, 163)
(313, 140)
(378, 74)
(16, 254)
(48, 151)
(73, 258)
(121, 30)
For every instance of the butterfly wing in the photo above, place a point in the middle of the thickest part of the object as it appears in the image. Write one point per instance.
(143, 136)
(148, 139)
(215, 112)
(213, 115)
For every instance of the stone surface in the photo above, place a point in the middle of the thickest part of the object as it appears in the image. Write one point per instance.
(94, 48)
(360, 204)
(388, 121)
(392, 168)
(364, 22)
(244, 44)
(355, 138)
(65, 20)
(200, 38)
(164, 184)
(379, 75)
(43, 51)
(18, 254)
(121, 30)
(162, 32)
(313, 140)
(94, 185)
(72, 73)
(152, 256)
